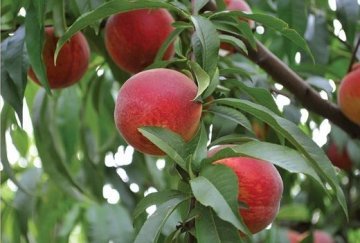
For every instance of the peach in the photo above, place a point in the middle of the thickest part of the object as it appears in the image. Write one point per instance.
(133, 38)
(260, 188)
(158, 97)
(294, 237)
(349, 95)
(338, 157)
(72, 61)
(319, 236)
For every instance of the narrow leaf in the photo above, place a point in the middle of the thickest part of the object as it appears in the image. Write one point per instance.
(209, 228)
(34, 39)
(109, 8)
(155, 198)
(14, 65)
(217, 187)
(151, 229)
(202, 78)
(208, 43)
(232, 115)
(109, 223)
(169, 142)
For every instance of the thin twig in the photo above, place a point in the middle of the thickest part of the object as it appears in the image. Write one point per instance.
(353, 56)
(302, 91)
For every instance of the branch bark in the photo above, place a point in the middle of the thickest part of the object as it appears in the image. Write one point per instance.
(302, 91)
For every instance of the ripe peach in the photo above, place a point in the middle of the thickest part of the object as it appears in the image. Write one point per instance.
(294, 237)
(133, 38)
(322, 237)
(339, 158)
(158, 97)
(71, 63)
(260, 188)
(319, 236)
(349, 95)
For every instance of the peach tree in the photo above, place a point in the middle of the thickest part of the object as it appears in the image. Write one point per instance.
(180, 121)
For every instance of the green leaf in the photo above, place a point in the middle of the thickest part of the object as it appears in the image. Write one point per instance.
(217, 187)
(232, 115)
(14, 65)
(169, 142)
(197, 147)
(68, 119)
(284, 157)
(214, 82)
(109, 223)
(151, 229)
(294, 13)
(294, 212)
(234, 71)
(155, 198)
(317, 37)
(70, 221)
(348, 12)
(232, 138)
(34, 39)
(24, 203)
(109, 8)
(5, 116)
(58, 12)
(198, 5)
(202, 78)
(49, 146)
(169, 40)
(208, 44)
(260, 95)
(315, 155)
(273, 23)
(247, 32)
(21, 141)
(209, 228)
(238, 44)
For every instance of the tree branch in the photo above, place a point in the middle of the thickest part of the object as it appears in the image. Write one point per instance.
(309, 97)
(302, 91)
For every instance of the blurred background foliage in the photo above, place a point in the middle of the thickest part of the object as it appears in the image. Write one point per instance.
(67, 175)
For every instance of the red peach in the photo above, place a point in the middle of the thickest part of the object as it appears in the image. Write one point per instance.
(319, 236)
(349, 95)
(72, 61)
(338, 157)
(158, 97)
(133, 38)
(294, 237)
(260, 188)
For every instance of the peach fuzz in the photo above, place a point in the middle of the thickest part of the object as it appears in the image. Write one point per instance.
(349, 95)
(158, 97)
(133, 38)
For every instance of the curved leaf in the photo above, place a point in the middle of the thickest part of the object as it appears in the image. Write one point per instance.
(151, 229)
(169, 142)
(217, 187)
(315, 155)
(107, 9)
